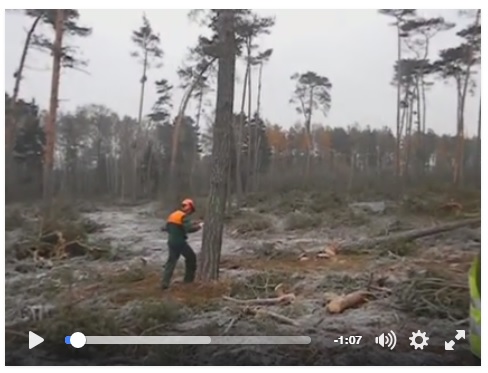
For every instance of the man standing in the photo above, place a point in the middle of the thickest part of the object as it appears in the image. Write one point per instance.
(178, 225)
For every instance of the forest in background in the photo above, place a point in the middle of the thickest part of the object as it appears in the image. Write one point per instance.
(95, 152)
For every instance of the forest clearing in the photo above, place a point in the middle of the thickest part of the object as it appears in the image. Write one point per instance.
(114, 287)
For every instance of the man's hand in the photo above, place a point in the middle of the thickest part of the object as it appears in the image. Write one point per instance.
(200, 224)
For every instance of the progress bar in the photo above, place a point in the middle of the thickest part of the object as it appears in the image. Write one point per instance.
(78, 340)
(146, 340)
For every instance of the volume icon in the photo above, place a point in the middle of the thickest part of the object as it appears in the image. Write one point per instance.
(388, 340)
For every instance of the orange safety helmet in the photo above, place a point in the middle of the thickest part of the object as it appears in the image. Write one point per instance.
(188, 205)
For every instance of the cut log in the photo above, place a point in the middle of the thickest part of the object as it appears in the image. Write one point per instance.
(343, 302)
(411, 235)
(331, 251)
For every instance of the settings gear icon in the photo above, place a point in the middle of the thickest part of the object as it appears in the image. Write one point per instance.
(420, 335)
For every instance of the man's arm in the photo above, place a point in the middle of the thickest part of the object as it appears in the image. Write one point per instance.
(191, 227)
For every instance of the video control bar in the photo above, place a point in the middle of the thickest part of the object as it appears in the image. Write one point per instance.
(78, 340)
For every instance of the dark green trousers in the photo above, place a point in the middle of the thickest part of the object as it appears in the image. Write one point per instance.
(175, 251)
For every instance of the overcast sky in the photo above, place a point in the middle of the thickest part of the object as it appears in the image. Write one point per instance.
(355, 49)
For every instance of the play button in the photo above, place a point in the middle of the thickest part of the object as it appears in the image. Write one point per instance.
(34, 340)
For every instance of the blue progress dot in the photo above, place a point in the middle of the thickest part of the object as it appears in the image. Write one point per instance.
(67, 340)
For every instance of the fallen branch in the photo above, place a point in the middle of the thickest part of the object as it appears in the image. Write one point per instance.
(437, 297)
(407, 236)
(380, 289)
(53, 238)
(231, 324)
(256, 311)
(284, 299)
(53, 245)
(153, 328)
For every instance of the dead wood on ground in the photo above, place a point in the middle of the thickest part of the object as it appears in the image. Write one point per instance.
(259, 312)
(340, 303)
(411, 235)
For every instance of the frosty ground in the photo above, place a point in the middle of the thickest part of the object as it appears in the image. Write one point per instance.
(416, 285)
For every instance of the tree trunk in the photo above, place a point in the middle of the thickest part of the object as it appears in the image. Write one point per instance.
(461, 105)
(459, 171)
(11, 124)
(176, 132)
(352, 171)
(135, 178)
(143, 85)
(424, 107)
(135, 182)
(228, 205)
(400, 129)
(239, 141)
(399, 82)
(458, 159)
(308, 135)
(50, 125)
(249, 119)
(256, 162)
(258, 108)
(195, 157)
(421, 95)
(405, 236)
(18, 73)
(408, 137)
(419, 135)
(214, 218)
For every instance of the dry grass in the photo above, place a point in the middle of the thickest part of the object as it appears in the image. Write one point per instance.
(295, 200)
(66, 218)
(249, 222)
(300, 220)
(13, 219)
(258, 285)
(441, 202)
(399, 248)
(152, 313)
(343, 282)
(124, 287)
(435, 295)
(346, 218)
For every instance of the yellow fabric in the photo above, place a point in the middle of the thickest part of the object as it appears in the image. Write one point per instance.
(475, 307)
